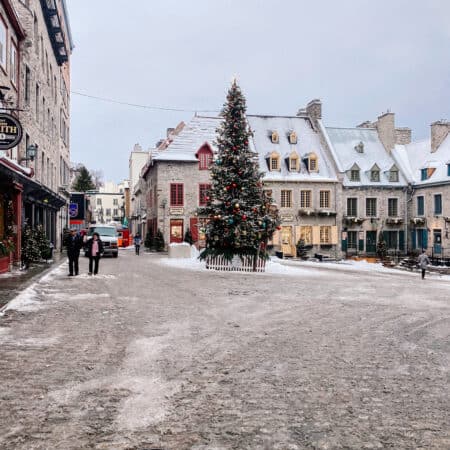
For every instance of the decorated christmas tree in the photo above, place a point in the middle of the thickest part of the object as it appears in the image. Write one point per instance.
(30, 248)
(381, 247)
(240, 222)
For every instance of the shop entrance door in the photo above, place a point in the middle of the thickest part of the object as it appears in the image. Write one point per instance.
(437, 242)
(176, 231)
(286, 241)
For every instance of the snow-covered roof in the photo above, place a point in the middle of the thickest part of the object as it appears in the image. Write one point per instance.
(414, 157)
(15, 167)
(308, 142)
(345, 143)
(198, 131)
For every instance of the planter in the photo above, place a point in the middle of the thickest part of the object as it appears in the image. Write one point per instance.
(4, 264)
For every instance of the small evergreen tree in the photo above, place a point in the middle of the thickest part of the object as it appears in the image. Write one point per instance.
(301, 249)
(83, 182)
(188, 237)
(148, 241)
(381, 246)
(240, 222)
(43, 244)
(159, 241)
(30, 249)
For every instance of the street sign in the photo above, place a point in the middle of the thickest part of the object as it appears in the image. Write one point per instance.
(10, 131)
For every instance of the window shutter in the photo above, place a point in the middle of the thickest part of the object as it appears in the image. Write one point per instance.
(401, 240)
(316, 235)
(425, 238)
(385, 236)
(334, 235)
(194, 228)
(413, 239)
(344, 245)
(361, 245)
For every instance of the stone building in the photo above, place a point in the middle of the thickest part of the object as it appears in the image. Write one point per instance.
(108, 203)
(426, 165)
(44, 83)
(373, 195)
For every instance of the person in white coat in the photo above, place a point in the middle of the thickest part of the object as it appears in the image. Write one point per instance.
(423, 262)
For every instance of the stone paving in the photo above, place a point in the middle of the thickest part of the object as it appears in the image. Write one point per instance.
(147, 356)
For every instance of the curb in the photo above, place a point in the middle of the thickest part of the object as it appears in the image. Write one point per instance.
(33, 280)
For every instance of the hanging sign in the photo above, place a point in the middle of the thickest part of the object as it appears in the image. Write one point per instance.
(10, 131)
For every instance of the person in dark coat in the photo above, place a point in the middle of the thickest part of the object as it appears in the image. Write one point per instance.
(74, 242)
(94, 248)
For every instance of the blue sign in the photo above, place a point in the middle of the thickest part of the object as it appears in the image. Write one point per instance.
(73, 210)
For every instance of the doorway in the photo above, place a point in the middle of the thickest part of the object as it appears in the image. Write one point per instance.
(437, 242)
(371, 242)
(176, 231)
(286, 241)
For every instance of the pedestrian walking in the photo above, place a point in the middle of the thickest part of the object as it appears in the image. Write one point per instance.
(74, 242)
(137, 243)
(94, 248)
(423, 262)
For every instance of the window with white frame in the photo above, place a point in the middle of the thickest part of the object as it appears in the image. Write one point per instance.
(3, 43)
(325, 234)
(13, 57)
(352, 240)
(393, 175)
(99, 201)
(371, 207)
(115, 201)
(286, 199)
(393, 207)
(354, 175)
(305, 199)
(306, 234)
(324, 199)
(352, 207)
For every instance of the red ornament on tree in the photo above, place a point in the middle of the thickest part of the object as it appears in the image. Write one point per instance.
(234, 185)
(244, 217)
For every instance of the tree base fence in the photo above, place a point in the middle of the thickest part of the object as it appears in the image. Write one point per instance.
(237, 264)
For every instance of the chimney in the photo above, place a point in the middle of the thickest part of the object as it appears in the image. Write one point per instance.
(169, 131)
(314, 109)
(403, 136)
(386, 130)
(137, 148)
(439, 131)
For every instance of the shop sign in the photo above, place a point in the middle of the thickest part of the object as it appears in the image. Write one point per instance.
(287, 218)
(176, 211)
(10, 131)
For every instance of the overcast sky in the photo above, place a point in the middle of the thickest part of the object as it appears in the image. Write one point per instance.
(360, 57)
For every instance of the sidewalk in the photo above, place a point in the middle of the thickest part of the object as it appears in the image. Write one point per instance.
(12, 283)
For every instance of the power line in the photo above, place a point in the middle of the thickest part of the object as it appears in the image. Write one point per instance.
(135, 105)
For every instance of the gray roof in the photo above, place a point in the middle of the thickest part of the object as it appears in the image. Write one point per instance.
(343, 143)
(418, 155)
(308, 141)
(198, 131)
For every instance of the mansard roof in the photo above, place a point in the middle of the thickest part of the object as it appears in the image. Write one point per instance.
(345, 145)
(308, 142)
(414, 157)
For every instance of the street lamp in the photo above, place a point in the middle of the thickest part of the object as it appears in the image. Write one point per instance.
(30, 153)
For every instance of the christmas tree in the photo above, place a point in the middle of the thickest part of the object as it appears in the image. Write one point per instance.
(148, 241)
(30, 249)
(83, 182)
(237, 207)
(381, 247)
(301, 249)
(188, 237)
(159, 241)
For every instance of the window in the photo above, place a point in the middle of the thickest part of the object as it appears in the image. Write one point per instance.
(108, 212)
(375, 176)
(286, 199)
(438, 204)
(115, 201)
(305, 199)
(312, 163)
(27, 85)
(37, 103)
(14, 64)
(203, 191)
(354, 175)
(391, 238)
(324, 199)
(393, 175)
(325, 234)
(99, 201)
(3, 50)
(36, 35)
(274, 161)
(352, 242)
(420, 205)
(204, 156)
(393, 207)
(352, 207)
(448, 170)
(371, 207)
(115, 212)
(293, 137)
(423, 174)
(176, 194)
(274, 137)
(306, 234)
(293, 163)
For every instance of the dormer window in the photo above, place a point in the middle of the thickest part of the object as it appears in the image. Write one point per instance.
(375, 174)
(426, 173)
(393, 175)
(204, 156)
(274, 161)
(293, 162)
(275, 138)
(293, 137)
(312, 162)
(354, 175)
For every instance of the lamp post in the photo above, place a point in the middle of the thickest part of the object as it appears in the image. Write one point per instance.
(30, 153)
